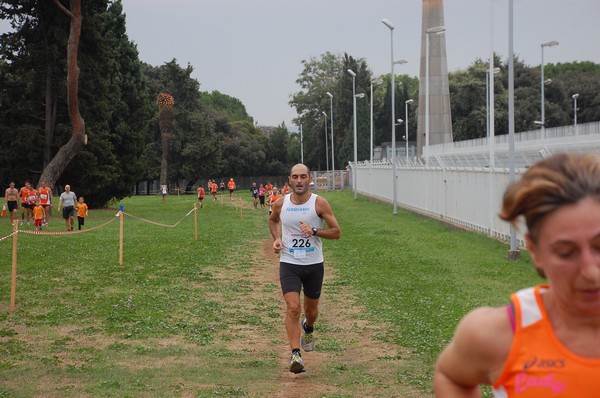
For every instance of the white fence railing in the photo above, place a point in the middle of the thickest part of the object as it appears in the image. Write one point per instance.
(466, 197)
(469, 197)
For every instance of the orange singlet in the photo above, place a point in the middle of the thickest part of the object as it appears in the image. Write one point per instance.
(24, 195)
(538, 364)
(32, 196)
(44, 196)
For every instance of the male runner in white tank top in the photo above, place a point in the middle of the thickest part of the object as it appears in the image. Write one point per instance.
(296, 225)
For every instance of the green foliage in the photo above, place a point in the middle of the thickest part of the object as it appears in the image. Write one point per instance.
(227, 106)
(112, 94)
(407, 87)
(213, 134)
(329, 74)
(468, 90)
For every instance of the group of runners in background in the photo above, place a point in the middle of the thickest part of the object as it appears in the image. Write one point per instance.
(266, 194)
(268, 191)
(36, 205)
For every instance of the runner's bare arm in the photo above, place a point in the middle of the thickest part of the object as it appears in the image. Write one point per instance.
(476, 354)
(275, 225)
(324, 211)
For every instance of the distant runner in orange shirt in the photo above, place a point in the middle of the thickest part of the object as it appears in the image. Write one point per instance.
(276, 194)
(24, 195)
(45, 200)
(213, 189)
(200, 194)
(231, 186)
(32, 200)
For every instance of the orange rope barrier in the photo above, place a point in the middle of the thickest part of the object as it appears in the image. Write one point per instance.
(29, 232)
(157, 223)
(119, 215)
(7, 236)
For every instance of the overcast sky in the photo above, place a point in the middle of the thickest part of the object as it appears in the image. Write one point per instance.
(252, 49)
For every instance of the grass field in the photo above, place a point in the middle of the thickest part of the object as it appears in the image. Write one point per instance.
(195, 319)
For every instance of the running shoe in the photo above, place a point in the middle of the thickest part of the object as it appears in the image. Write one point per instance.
(296, 363)
(308, 340)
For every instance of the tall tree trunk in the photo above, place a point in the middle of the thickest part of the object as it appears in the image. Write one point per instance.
(68, 151)
(50, 114)
(166, 127)
(165, 103)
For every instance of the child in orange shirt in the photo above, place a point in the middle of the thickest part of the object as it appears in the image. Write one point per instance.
(38, 215)
(82, 212)
(200, 194)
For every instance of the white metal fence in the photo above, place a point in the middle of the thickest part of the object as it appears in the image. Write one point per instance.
(468, 197)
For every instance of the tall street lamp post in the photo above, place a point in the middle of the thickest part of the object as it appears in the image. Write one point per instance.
(301, 146)
(354, 96)
(331, 132)
(410, 101)
(543, 82)
(438, 30)
(575, 96)
(489, 88)
(354, 123)
(393, 90)
(326, 150)
(375, 81)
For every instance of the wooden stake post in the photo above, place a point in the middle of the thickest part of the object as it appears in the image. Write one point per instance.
(195, 222)
(121, 210)
(13, 284)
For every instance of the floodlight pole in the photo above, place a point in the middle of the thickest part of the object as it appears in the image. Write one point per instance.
(354, 169)
(326, 150)
(575, 96)
(410, 101)
(543, 82)
(331, 133)
(513, 253)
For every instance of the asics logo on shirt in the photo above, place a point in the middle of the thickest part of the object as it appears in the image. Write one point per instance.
(545, 363)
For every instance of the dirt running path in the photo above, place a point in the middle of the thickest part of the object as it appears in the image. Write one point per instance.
(351, 361)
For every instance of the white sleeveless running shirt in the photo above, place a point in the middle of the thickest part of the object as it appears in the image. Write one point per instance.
(298, 247)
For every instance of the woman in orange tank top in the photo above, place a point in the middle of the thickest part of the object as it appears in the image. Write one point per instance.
(545, 342)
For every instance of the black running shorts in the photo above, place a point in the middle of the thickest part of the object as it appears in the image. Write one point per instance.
(12, 205)
(309, 277)
(68, 212)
